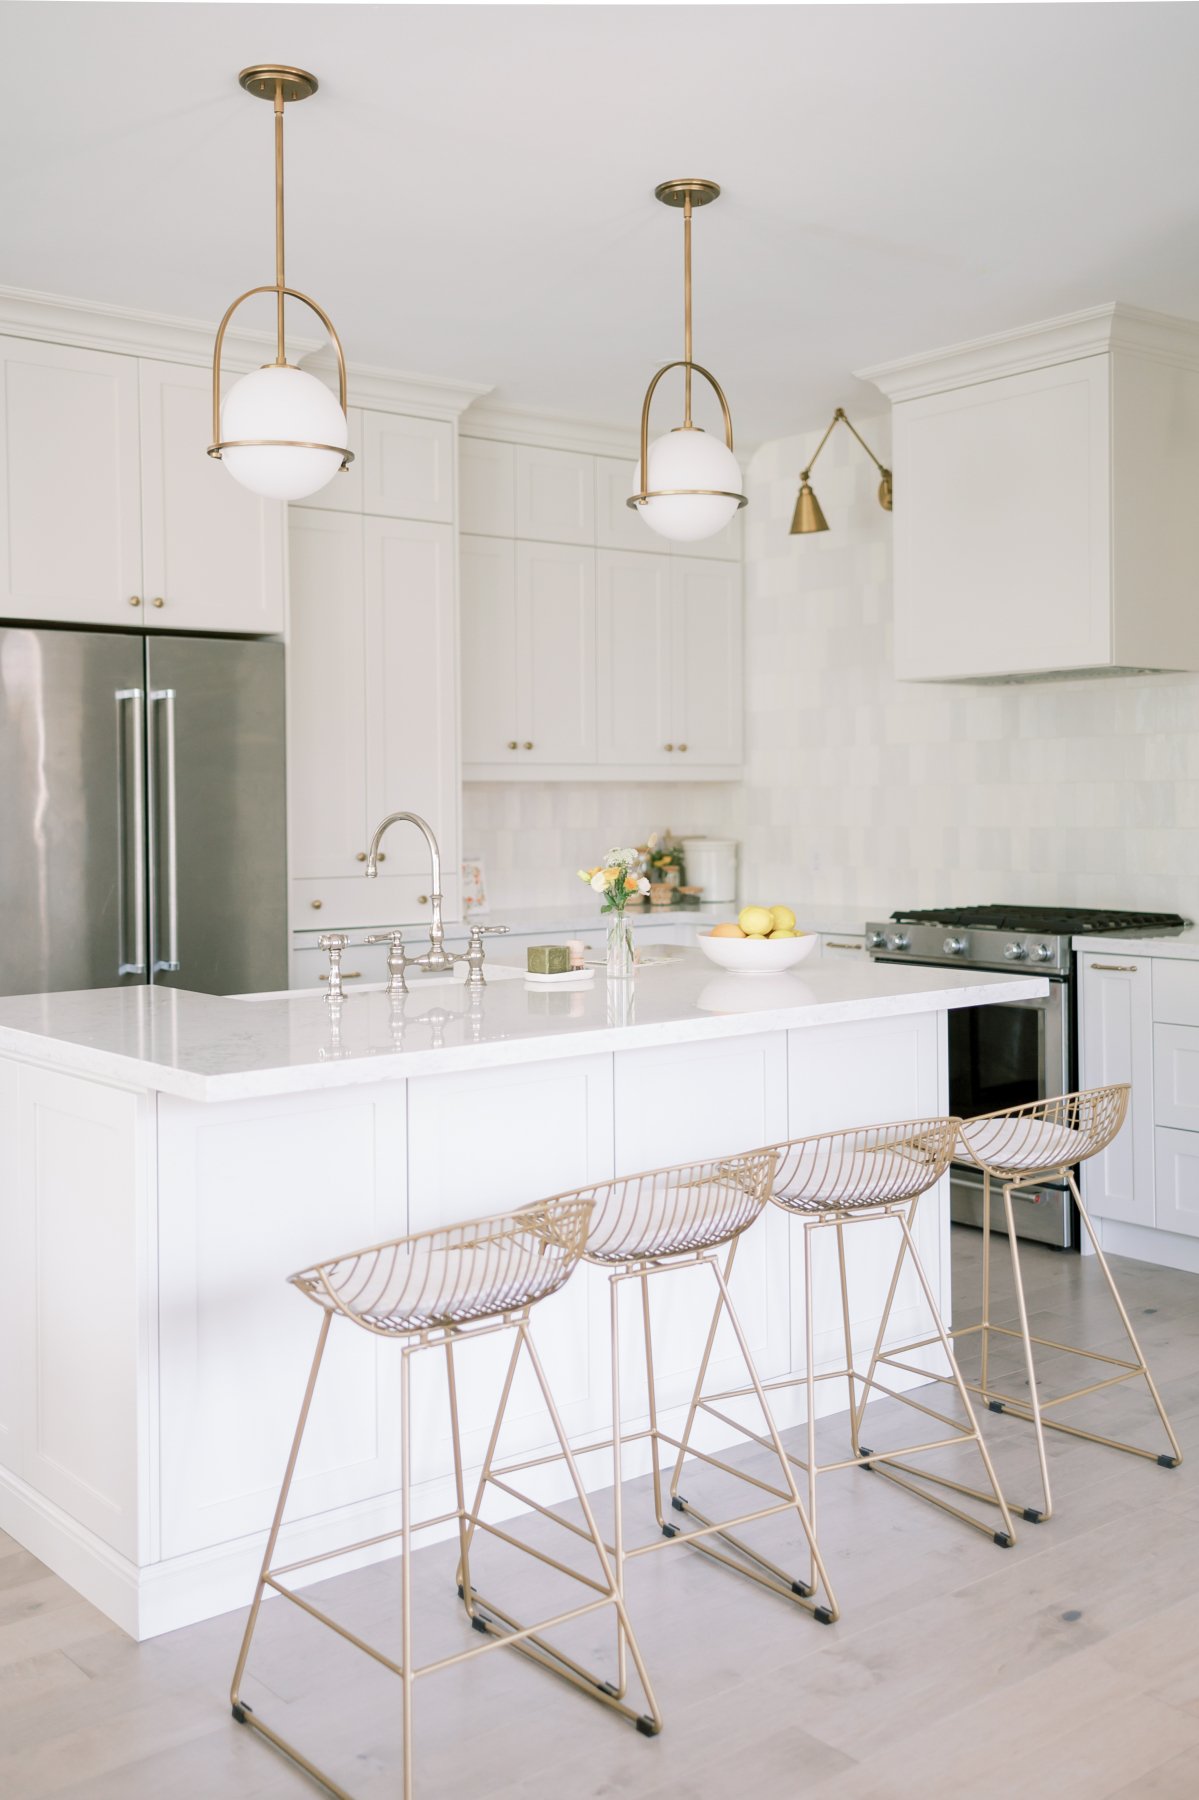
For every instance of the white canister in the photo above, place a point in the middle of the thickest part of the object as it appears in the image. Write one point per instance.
(712, 865)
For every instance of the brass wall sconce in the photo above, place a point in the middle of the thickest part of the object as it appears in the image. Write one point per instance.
(281, 432)
(808, 513)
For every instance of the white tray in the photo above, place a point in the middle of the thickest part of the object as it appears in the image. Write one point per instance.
(570, 978)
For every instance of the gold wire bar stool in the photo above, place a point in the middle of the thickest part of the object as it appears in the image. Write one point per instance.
(1023, 1146)
(851, 1177)
(649, 1225)
(434, 1291)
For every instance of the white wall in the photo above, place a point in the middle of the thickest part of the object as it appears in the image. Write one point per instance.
(864, 790)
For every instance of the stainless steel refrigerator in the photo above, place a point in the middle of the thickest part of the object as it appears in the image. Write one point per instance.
(142, 812)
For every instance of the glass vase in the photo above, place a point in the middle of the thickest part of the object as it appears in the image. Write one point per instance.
(620, 947)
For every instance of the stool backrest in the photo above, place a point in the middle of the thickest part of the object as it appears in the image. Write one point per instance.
(683, 1207)
(455, 1273)
(867, 1165)
(1047, 1134)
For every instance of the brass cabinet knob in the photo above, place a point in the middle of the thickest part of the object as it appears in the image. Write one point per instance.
(669, 746)
(158, 601)
(682, 746)
(512, 744)
(360, 856)
(135, 599)
(528, 746)
(422, 899)
(316, 905)
(382, 856)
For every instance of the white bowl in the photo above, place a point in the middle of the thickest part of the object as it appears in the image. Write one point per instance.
(756, 956)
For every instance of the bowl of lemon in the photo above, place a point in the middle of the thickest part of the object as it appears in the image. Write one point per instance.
(763, 940)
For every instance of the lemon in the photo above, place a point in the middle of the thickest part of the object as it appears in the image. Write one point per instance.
(755, 921)
(784, 918)
(783, 933)
(756, 934)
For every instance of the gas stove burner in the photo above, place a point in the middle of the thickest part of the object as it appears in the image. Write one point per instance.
(1052, 920)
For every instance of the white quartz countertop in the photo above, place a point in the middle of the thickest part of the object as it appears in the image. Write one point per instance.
(204, 1047)
(581, 917)
(1184, 947)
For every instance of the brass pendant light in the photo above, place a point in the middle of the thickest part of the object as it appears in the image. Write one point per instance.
(809, 515)
(687, 485)
(280, 433)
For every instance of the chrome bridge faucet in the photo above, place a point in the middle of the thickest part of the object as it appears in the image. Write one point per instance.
(436, 956)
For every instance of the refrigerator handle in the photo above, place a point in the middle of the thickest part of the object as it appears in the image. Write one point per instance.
(131, 832)
(164, 893)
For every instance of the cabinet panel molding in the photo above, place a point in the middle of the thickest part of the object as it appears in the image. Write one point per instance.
(1115, 1017)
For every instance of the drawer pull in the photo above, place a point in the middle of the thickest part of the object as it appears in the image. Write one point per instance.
(346, 975)
(833, 945)
(1115, 968)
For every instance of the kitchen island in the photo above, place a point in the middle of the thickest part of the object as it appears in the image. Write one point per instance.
(168, 1158)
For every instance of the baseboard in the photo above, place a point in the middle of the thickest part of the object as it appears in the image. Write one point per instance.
(1144, 1243)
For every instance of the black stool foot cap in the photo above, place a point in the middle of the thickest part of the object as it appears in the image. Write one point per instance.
(1169, 1462)
(863, 1451)
(669, 1531)
(609, 1688)
(823, 1614)
(240, 1709)
(800, 1588)
(646, 1726)
(679, 1504)
(1003, 1539)
(1033, 1514)
(479, 1623)
(995, 1405)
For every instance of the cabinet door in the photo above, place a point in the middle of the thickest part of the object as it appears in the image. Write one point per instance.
(70, 504)
(411, 693)
(555, 496)
(617, 526)
(555, 653)
(1116, 1044)
(487, 574)
(707, 705)
(1022, 585)
(634, 661)
(1177, 1170)
(212, 551)
(407, 467)
(326, 686)
(486, 487)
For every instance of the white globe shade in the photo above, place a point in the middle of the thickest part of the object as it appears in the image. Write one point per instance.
(689, 459)
(282, 403)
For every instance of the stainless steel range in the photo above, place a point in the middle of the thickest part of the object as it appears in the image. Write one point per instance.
(1006, 1055)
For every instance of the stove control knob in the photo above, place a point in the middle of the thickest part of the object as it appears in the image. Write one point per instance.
(899, 940)
(878, 940)
(1042, 952)
(1015, 952)
(954, 946)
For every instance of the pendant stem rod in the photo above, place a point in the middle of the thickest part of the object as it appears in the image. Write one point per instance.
(280, 281)
(687, 311)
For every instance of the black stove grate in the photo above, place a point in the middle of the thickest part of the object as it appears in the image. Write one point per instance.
(1050, 920)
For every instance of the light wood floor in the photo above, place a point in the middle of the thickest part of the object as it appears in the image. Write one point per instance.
(1065, 1667)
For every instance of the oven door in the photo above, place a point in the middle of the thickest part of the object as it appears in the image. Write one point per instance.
(1003, 1056)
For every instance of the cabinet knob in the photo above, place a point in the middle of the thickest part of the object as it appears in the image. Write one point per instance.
(527, 746)
(360, 856)
(682, 746)
(668, 746)
(135, 599)
(422, 899)
(316, 905)
(512, 744)
(158, 601)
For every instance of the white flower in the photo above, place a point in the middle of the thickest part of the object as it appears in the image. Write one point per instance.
(642, 885)
(597, 883)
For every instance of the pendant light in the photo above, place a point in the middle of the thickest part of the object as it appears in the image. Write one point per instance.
(809, 515)
(280, 432)
(687, 484)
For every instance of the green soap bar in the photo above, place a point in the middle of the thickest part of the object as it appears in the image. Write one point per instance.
(549, 959)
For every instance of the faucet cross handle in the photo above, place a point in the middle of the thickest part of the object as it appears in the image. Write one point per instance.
(473, 957)
(397, 959)
(334, 942)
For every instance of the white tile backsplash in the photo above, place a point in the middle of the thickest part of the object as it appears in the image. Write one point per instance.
(860, 788)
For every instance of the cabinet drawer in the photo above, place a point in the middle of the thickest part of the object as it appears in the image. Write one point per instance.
(1177, 1154)
(1175, 991)
(339, 904)
(1176, 1076)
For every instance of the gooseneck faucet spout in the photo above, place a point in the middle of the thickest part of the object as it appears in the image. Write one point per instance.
(436, 957)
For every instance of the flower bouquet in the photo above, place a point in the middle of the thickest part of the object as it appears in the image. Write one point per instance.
(613, 878)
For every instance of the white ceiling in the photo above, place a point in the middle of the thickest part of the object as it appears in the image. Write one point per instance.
(470, 194)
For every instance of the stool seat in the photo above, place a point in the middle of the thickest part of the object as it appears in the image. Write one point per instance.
(453, 1276)
(670, 1212)
(855, 1171)
(1020, 1144)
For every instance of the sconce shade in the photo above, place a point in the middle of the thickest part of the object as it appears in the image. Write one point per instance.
(688, 459)
(808, 516)
(296, 428)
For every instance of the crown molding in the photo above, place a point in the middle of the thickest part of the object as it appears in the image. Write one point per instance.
(95, 325)
(554, 431)
(1092, 332)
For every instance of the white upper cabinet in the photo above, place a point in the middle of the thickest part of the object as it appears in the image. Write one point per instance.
(555, 496)
(706, 631)
(212, 551)
(617, 526)
(636, 654)
(487, 581)
(1044, 518)
(403, 468)
(70, 485)
(487, 487)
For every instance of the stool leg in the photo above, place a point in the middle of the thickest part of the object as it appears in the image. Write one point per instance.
(810, 1375)
(463, 1575)
(652, 1399)
(847, 1334)
(1034, 1398)
(985, 1331)
(406, 1564)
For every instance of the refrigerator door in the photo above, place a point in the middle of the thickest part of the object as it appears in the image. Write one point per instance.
(72, 815)
(217, 814)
